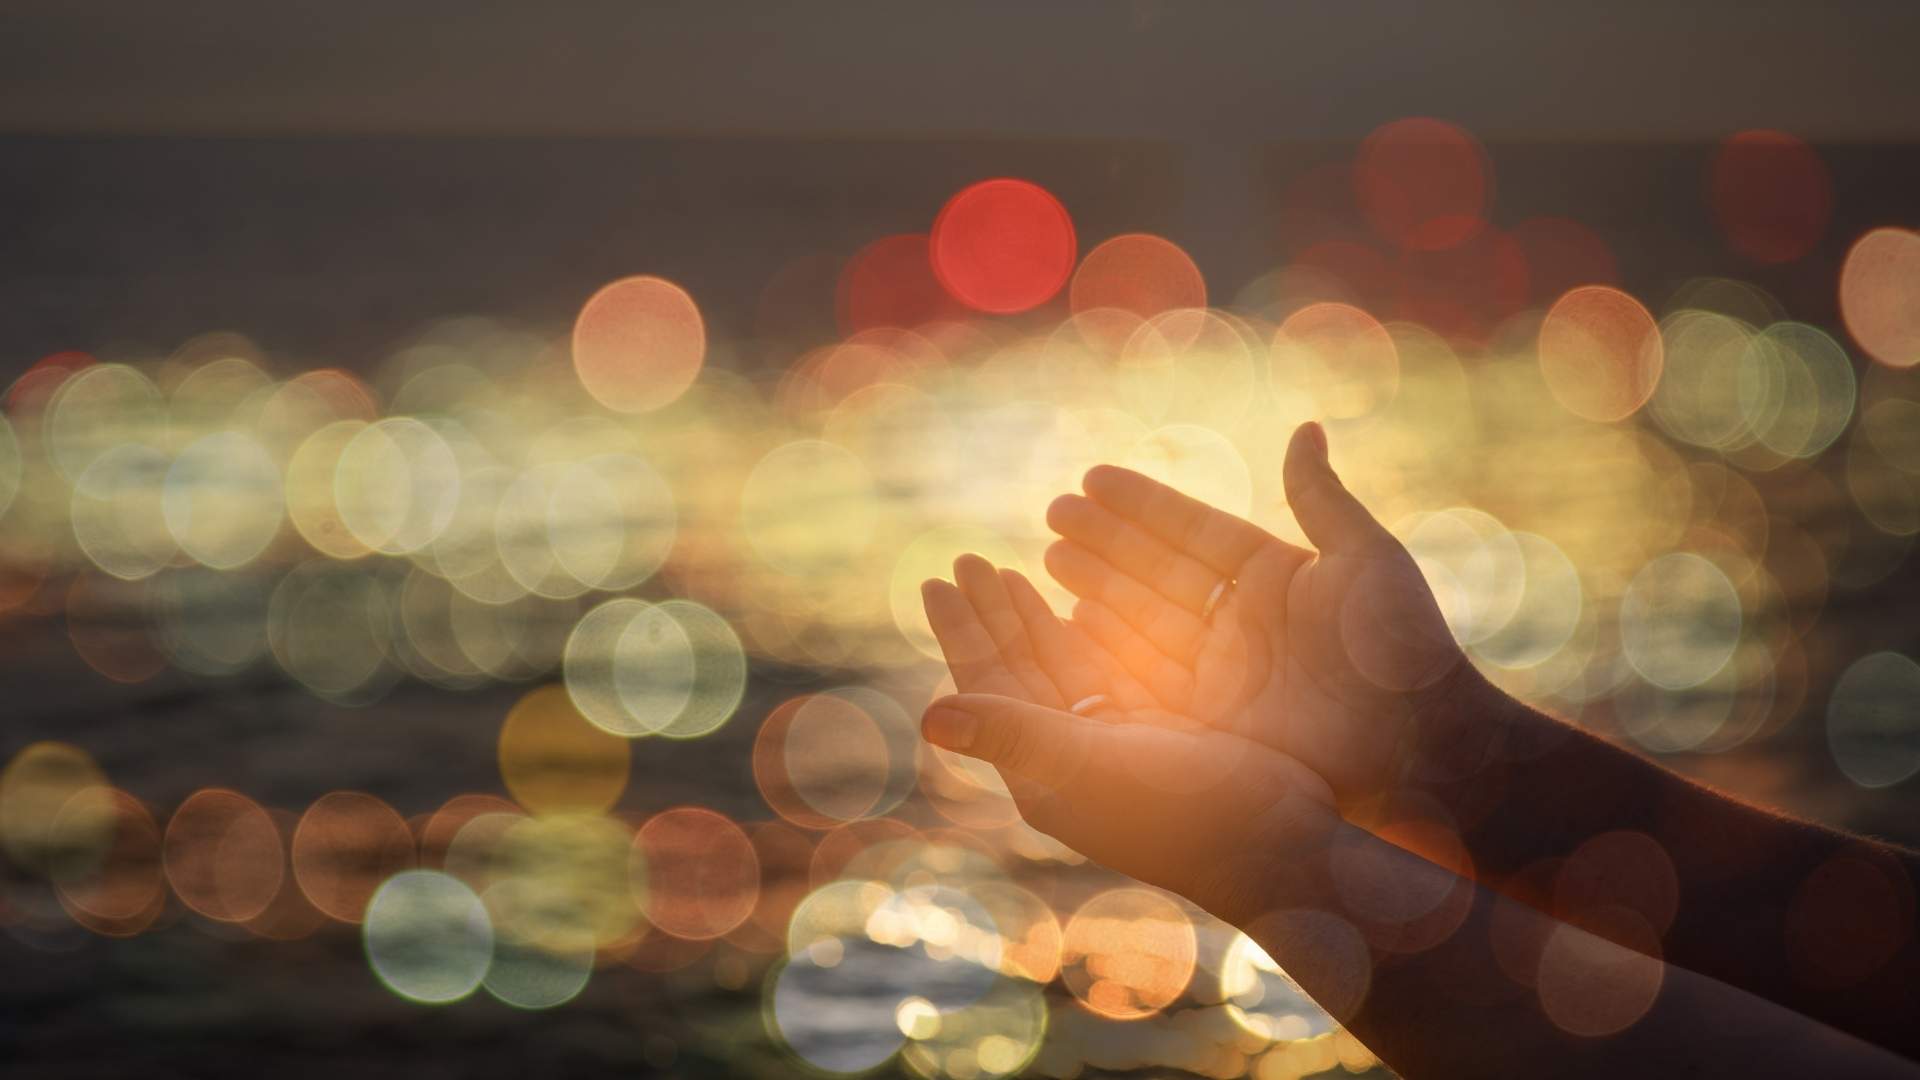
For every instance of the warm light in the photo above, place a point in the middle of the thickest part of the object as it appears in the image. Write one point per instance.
(346, 844)
(703, 874)
(1600, 353)
(1138, 273)
(1771, 195)
(638, 344)
(1424, 184)
(1880, 295)
(1003, 246)
(1128, 953)
(553, 760)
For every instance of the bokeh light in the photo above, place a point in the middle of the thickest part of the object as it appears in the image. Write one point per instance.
(346, 844)
(703, 873)
(1771, 195)
(1424, 184)
(1137, 273)
(1339, 357)
(428, 937)
(1880, 295)
(1128, 953)
(109, 873)
(638, 343)
(890, 283)
(553, 760)
(1003, 246)
(223, 855)
(1655, 513)
(1600, 353)
(1873, 720)
(1680, 620)
(35, 789)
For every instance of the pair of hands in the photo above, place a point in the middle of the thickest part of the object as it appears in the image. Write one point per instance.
(1256, 738)
(1233, 723)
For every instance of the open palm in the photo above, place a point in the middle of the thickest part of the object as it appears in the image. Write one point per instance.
(1332, 657)
(1153, 794)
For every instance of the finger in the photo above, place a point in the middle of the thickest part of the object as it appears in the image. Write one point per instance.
(1053, 751)
(1165, 678)
(1214, 537)
(984, 590)
(1074, 663)
(1174, 629)
(1168, 721)
(1327, 512)
(970, 652)
(1134, 551)
(1048, 746)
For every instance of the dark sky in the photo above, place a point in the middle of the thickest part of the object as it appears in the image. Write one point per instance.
(1196, 72)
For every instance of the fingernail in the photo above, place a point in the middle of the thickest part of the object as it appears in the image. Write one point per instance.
(1319, 436)
(950, 728)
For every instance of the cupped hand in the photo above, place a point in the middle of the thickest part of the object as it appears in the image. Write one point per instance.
(1093, 761)
(1336, 657)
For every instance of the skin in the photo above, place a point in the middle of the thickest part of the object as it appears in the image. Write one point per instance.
(1253, 837)
(1341, 659)
(1324, 697)
(1335, 658)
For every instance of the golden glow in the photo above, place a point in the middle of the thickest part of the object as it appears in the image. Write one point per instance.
(1600, 353)
(1338, 358)
(36, 789)
(554, 761)
(1645, 511)
(1128, 953)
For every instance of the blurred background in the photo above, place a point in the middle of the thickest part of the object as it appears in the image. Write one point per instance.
(467, 476)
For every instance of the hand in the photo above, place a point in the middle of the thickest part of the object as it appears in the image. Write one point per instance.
(1154, 795)
(1336, 658)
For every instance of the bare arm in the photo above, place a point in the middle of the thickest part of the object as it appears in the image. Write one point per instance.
(1340, 658)
(1595, 1009)
(1815, 919)
(1330, 903)
(1438, 974)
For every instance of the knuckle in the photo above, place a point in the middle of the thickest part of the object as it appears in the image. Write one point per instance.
(1007, 744)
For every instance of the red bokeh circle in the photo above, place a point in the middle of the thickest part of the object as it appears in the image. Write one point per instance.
(1003, 246)
(1423, 183)
(1771, 195)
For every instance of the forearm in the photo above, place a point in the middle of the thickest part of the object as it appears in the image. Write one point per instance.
(1456, 1007)
(1814, 919)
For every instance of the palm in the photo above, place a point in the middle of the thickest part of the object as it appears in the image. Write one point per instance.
(1135, 808)
(1315, 655)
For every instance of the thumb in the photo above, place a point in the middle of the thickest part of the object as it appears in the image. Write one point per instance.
(1327, 512)
(1031, 741)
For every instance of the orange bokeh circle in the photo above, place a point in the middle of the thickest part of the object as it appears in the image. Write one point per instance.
(638, 343)
(346, 844)
(1138, 273)
(1128, 953)
(702, 872)
(223, 856)
(1600, 353)
(1423, 183)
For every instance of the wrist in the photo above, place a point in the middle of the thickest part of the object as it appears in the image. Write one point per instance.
(1281, 865)
(1456, 732)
